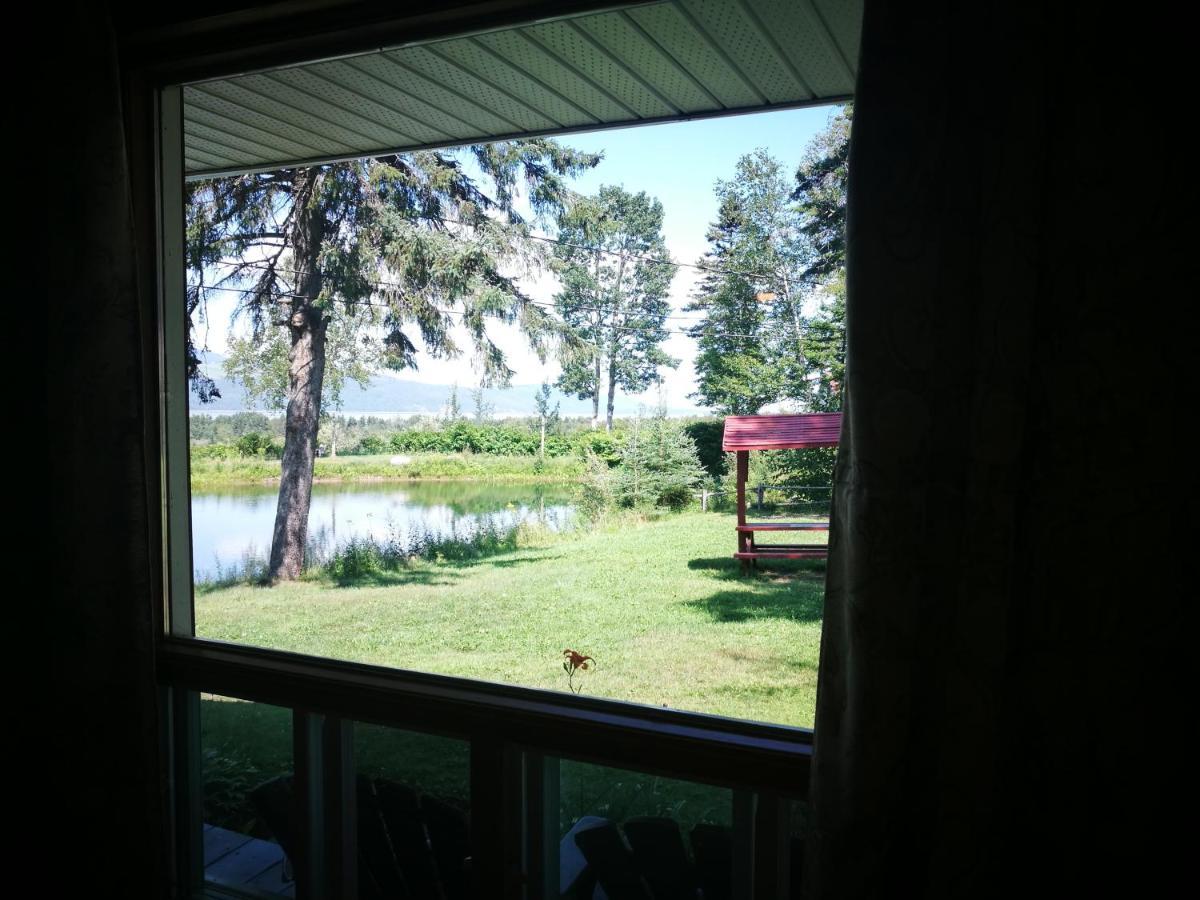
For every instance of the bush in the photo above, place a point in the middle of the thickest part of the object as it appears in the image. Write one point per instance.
(214, 451)
(255, 444)
(595, 495)
(604, 444)
(371, 445)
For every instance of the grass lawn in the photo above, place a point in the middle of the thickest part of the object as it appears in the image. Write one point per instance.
(660, 604)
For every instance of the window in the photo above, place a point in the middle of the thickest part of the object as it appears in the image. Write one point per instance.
(511, 759)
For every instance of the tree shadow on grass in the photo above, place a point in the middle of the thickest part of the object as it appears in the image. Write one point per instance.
(780, 589)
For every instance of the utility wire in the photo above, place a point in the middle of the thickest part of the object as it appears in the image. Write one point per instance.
(393, 284)
(505, 226)
(284, 298)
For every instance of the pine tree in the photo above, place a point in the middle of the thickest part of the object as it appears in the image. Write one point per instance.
(659, 465)
(821, 184)
(751, 337)
(375, 249)
(735, 375)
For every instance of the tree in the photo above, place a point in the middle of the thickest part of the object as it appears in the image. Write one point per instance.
(451, 411)
(735, 373)
(373, 250)
(751, 337)
(615, 273)
(547, 417)
(659, 465)
(821, 183)
(481, 410)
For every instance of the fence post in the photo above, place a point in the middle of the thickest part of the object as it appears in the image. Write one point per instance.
(703, 501)
(760, 489)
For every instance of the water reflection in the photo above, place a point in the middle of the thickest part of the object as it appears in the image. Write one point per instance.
(233, 524)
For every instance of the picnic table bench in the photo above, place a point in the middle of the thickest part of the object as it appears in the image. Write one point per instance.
(750, 551)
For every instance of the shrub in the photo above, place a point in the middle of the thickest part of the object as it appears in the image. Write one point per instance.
(255, 444)
(214, 451)
(371, 445)
(595, 494)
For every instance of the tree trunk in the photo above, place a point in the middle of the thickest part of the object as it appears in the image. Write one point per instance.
(596, 395)
(542, 450)
(306, 373)
(612, 391)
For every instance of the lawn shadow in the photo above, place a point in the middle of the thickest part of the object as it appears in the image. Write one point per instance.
(398, 578)
(781, 589)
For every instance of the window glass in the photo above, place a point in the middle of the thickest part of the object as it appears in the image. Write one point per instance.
(413, 794)
(638, 835)
(462, 412)
(246, 773)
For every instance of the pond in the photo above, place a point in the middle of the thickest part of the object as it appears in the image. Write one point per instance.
(233, 525)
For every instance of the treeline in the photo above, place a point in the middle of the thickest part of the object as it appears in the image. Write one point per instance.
(251, 434)
(643, 447)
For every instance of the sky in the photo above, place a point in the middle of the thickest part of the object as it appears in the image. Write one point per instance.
(678, 163)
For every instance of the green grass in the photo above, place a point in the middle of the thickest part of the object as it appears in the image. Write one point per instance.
(660, 604)
(214, 473)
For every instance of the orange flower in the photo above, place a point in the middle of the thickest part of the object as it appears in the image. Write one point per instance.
(576, 660)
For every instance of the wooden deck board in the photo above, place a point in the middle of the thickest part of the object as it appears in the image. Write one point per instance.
(220, 842)
(273, 882)
(239, 860)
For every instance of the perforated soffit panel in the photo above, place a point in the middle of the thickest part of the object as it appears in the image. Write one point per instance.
(652, 62)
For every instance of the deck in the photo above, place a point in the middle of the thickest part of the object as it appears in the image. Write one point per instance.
(239, 861)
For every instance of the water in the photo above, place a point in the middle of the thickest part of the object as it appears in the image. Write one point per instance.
(232, 524)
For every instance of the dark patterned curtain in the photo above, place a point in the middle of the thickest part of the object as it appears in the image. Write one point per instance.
(106, 826)
(1001, 701)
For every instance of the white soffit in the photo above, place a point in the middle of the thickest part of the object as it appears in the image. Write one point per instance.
(655, 62)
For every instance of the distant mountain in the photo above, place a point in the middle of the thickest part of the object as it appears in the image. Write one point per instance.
(391, 395)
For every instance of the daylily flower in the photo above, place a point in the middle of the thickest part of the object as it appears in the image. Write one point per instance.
(574, 662)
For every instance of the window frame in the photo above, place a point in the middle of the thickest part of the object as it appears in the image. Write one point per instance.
(511, 729)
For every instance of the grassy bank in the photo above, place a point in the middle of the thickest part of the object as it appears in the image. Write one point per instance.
(215, 473)
(660, 605)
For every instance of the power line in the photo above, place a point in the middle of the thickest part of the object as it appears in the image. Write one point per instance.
(398, 286)
(379, 282)
(284, 298)
(715, 270)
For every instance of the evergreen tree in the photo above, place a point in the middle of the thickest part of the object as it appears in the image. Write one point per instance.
(751, 337)
(821, 183)
(659, 465)
(735, 374)
(615, 273)
(373, 249)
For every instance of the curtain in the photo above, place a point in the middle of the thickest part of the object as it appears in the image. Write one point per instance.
(1001, 705)
(106, 824)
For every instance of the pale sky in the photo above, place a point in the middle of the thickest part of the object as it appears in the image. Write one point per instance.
(678, 163)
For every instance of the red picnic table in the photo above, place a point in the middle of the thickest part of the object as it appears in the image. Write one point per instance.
(778, 432)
